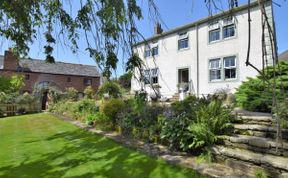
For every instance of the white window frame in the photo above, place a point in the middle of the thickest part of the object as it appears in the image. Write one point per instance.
(217, 68)
(147, 49)
(222, 67)
(229, 67)
(183, 37)
(149, 74)
(220, 25)
(229, 26)
(154, 45)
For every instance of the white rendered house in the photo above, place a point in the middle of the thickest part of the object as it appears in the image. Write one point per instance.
(205, 56)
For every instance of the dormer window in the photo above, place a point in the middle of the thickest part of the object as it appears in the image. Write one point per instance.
(183, 41)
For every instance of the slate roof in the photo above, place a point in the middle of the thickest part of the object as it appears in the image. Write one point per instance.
(283, 56)
(35, 65)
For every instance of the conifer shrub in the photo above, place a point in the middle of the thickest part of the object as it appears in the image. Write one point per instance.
(256, 95)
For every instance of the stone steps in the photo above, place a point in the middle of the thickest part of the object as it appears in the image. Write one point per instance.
(256, 144)
(265, 131)
(239, 158)
(258, 120)
(175, 97)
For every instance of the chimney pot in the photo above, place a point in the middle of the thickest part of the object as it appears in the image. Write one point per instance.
(158, 29)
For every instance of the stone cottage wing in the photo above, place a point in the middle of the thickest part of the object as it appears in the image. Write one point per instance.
(41, 66)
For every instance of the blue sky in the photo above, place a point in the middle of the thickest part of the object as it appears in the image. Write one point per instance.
(173, 13)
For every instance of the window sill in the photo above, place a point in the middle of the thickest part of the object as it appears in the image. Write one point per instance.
(183, 49)
(224, 81)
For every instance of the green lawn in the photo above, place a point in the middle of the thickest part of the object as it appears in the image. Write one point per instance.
(41, 145)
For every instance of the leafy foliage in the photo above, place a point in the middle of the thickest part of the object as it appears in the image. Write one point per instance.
(11, 84)
(125, 80)
(256, 95)
(111, 108)
(71, 94)
(195, 123)
(211, 120)
(175, 131)
(110, 87)
(89, 92)
(108, 26)
(282, 110)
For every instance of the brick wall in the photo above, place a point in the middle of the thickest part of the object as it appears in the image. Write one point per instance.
(10, 61)
(61, 81)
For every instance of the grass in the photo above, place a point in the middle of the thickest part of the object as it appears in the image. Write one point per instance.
(41, 145)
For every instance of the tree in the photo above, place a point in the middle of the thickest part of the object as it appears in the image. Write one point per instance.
(108, 26)
(11, 84)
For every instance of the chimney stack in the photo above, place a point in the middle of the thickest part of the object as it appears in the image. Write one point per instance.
(157, 29)
(10, 60)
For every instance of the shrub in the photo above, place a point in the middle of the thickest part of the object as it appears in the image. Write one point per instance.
(111, 108)
(8, 98)
(55, 95)
(256, 95)
(26, 98)
(211, 120)
(195, 123)
(89, 92)
(282, 111)
(4, 84)
(139, 120)
(175, 132)
(11, 84)
(125, 80)
(110, 87)
(100, 120)
(86, 106)
(1, 113)
(71, 94)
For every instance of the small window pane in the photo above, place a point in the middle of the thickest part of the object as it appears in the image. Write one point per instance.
(146, 76)
(87, 82)
(154, 80)
(229, 62)
(228, 31)
(155, 51)
(183, 43)
(215, 75)
(214, 35)
(230, 73)
(146, 53)
(215, 64)
(228, 21)
(154, 72)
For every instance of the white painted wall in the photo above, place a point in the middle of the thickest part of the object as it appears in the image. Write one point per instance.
(170, 59)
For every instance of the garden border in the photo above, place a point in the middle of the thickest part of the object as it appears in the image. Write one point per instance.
(159, 151)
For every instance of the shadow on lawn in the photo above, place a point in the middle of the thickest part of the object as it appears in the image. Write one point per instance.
(87, 155)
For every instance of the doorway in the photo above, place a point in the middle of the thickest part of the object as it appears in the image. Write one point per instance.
(183, 79)
(44, 100)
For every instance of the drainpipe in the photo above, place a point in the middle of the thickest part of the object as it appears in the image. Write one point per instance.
(197, 57)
